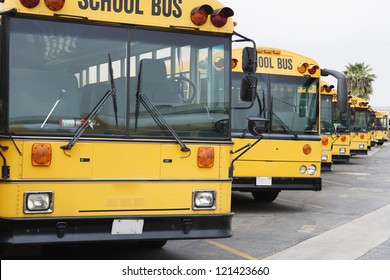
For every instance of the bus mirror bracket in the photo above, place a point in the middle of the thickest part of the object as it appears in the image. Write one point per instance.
(341, 128)
(342, 88)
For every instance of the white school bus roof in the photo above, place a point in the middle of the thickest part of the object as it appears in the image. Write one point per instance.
(279, 62)
(162, 13)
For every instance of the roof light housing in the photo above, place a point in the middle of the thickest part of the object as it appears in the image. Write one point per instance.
(199, 15)
(55, 5)
(219, 17)
(29, 3)
(312, 69)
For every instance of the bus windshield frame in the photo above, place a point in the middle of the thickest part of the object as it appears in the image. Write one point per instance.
(69, 75)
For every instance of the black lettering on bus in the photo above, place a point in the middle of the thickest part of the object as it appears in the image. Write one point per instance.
(265, 62)
(92, 6)
(117, 6)
(129, 6)
(290, 64)
(166, 8)
(285, 63)
(177, 12)
(83, 4)
(105, 3)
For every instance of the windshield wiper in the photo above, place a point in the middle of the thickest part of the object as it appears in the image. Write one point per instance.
(281, 121)
(95, 111)
(156, 115)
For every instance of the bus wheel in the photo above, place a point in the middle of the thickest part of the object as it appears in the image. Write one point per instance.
(267, 196)
(153, 243)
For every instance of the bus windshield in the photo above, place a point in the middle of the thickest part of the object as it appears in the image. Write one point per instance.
(381, 124)
(57, 81)
(291, 103)
(359, 120)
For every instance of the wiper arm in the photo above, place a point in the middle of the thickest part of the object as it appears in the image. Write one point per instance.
(95, 111)
(159, 119)
(63, 91)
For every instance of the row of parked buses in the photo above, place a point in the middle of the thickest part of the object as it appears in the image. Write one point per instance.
(135, 120)
(355, 134)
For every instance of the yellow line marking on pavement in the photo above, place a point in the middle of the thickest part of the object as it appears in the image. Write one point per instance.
(230, 249)
(341, 184)
(299, 203)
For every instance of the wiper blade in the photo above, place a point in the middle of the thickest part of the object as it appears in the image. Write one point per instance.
(95, 111)
(159, 119)
(281, 121)
(285, 125)
(114, 101)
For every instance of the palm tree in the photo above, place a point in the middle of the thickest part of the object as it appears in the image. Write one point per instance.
(359, 79)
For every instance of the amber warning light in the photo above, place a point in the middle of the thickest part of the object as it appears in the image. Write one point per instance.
(205, 157)
(41, 154)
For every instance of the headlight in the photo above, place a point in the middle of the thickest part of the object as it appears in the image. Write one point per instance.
(302, 169)
(342, 150)
(324, 157)
(38, 202)
(202, 200)
(312, 169)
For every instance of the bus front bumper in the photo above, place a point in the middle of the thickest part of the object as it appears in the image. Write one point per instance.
(249, 184)
(95, 229)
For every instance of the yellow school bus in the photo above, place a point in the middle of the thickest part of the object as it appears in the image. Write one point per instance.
(277, 145)
(358, 121)
(372, 132)
(381, 127)
(335, 135)
(114, 121)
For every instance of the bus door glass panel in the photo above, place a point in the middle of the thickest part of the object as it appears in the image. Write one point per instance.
(176, 75)
(259, 108)
(294, 104)
(326, 115)
(59, 72)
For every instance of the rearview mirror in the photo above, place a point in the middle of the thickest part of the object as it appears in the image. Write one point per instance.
(249, 60)
(248, 88)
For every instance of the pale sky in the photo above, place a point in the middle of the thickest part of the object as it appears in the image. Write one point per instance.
(332, 32)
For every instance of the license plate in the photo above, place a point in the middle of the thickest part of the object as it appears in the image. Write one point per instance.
(127, 226)
(263, 181)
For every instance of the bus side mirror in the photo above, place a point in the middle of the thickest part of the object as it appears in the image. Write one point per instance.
(248, 88)
(257, 125)
(249, 60)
